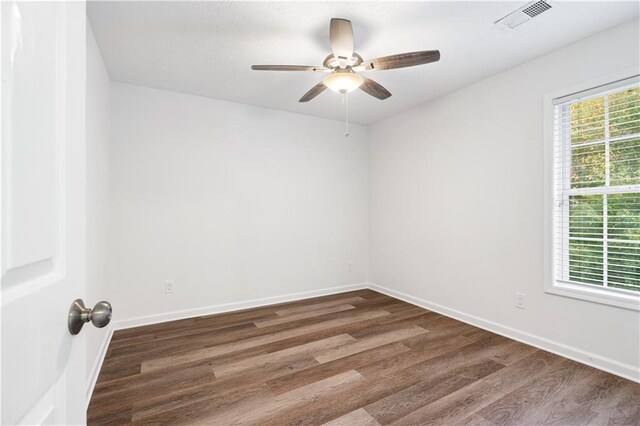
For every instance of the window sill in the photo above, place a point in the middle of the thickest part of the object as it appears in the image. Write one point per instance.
(595, 295)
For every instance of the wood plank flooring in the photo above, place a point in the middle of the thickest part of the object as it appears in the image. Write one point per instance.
(358, 358)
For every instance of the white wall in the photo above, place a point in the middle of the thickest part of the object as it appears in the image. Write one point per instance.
(98, 112)
(457, 203)
(231, 202)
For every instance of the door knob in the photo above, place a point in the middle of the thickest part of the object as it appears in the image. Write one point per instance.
(100, 315)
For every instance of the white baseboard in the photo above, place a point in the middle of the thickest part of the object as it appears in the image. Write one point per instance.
(97, 364)
(627, 371)
(234, 306)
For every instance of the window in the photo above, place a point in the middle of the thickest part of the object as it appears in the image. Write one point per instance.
(596, 189)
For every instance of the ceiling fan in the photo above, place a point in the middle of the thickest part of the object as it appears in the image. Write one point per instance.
(344, 64)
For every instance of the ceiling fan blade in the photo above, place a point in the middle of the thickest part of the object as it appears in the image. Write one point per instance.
(315, 91)
(401, 60)
(341, 37)
(287, 68)
(374, 89)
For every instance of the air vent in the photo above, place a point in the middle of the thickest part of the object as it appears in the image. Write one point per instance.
(529, 11)
(536, 8)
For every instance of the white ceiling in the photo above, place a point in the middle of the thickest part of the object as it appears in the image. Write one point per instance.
(207, 48)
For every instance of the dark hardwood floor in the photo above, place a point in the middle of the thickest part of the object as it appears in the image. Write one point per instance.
(358, 358)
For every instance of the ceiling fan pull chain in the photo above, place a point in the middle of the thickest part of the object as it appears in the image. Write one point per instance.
(346, 115)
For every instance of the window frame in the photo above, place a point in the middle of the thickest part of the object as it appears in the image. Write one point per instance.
(591, 293)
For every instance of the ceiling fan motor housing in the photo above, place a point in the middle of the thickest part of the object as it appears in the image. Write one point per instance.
(333, 63)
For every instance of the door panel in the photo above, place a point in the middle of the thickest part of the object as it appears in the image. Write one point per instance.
(43, 184)
(30, 212)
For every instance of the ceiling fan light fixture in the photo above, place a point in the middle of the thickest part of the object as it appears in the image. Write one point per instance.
(343, 82)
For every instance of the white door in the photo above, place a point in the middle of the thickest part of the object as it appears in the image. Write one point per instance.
(43, 211)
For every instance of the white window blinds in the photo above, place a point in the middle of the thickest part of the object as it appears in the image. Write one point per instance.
(597, 187)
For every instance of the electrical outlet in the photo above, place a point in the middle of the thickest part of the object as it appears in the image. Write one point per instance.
(168, 287)
(520, 300)
(349, 266)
